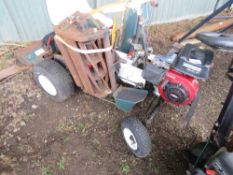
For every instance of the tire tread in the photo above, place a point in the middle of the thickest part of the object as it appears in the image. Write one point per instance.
(141, 134)
(58, 75)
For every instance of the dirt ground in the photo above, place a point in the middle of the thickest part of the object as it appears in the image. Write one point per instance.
(82, 135)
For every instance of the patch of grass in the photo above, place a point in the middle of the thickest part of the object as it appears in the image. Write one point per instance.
(61, 126)
(82, 127)
(125, 169)
(28, 116)
(6, 60)
(45, 170)
(61, 164)
(8, 55)
(68, 126)
(72, 126)
(36, 163)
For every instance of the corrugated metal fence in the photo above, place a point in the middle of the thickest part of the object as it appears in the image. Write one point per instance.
(27, 20)
(23, 20)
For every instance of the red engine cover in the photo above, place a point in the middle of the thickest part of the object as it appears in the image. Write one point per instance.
(187, 84)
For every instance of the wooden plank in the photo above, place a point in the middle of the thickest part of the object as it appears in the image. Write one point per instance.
(15, 69)
(209, 28)
(190, 41)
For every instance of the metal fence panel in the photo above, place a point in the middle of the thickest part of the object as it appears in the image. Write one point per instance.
(23, 20)
(27, 20)
(174, 10)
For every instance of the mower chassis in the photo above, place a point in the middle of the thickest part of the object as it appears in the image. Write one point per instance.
(95, 72)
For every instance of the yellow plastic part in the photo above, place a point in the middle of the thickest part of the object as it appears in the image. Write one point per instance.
(114, 29)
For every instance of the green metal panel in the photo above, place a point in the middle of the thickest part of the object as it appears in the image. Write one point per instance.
(7, 29)
(23, 20)
(27, 20)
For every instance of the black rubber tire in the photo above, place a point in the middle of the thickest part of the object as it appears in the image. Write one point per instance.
(53, 45)
(58, 76)
(141, 135)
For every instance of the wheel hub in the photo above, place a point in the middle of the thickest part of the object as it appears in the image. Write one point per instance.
(47, 85)
(130, 139)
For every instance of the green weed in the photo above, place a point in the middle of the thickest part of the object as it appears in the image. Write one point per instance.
(45, 170)
(61, 126)
(61, 164)
(125, 169)
(28, 117)
(82, 127)
(68, 126)
(8, 55)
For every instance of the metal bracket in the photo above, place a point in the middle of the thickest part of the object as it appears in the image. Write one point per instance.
(192, 108)
(152, 111)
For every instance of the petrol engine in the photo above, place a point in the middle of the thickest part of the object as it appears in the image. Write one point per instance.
(174, 77)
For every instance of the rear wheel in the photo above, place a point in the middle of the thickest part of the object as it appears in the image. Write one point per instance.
(54, 80)
(136, 136)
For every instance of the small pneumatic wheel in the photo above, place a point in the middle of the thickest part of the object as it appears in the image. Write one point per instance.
(54, 79)
(136, 136)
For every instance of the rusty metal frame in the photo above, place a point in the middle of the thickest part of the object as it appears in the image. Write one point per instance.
(94, 73)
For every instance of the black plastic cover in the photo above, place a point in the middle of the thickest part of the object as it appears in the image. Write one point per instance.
(153, 74)
(217, 40)
(194, 62)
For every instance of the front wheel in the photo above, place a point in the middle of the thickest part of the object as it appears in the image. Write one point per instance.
(136, 137)
(54, 80)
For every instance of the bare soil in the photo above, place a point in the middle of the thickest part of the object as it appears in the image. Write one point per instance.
(82, 135)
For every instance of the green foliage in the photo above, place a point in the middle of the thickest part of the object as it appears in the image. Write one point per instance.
(4, 60)
(45, 171)
(8, 55)
(67, 126)
(61, 126)
(82, 127)
(28, 117)
(61, 164)
(125, 169)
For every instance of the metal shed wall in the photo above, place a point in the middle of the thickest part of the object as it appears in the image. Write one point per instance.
(23, 20)
(27, 20)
